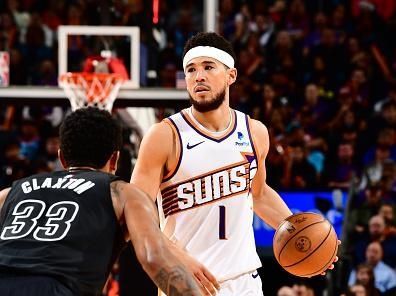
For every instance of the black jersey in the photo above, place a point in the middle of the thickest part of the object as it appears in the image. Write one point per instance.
(63, 225)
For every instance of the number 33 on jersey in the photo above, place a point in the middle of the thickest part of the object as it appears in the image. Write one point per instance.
(26, 213)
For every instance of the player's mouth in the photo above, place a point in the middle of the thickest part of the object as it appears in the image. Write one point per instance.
(201, 89)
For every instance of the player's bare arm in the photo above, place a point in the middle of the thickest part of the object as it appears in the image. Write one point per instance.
(154, 157)
(3, 196)
(158, 155)
(267, 204)
(149, 243)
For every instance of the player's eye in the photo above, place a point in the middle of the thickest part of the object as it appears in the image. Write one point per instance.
(190, 70)
(208, 67)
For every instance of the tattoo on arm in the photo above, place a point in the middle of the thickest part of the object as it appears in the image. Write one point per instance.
(115, 188)
(176, 282)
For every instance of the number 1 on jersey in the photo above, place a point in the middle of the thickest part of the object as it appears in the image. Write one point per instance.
(222, 226)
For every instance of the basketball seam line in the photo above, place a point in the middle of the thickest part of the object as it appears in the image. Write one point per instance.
(332, 258)
(280, 225)
(281, 250)
(312, 251)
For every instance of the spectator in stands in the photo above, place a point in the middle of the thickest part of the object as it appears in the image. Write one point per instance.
(360, 216)
(52, 13)
(251, 63)
(373, 171)
(14, 166)
(385, 276)
(242, 22)
(302, 289)
(391, 97)
(297, 20)
(357, 290)
(267, 102)
(46, 75)
(386, 118)
(388, 181)
(377, 234)
(339, 172)
(338, 21)
(275, 162)
(387, 211)
(20, 16)
(9, 33)
(357, 88)
(50, 154)
(29, 139)
(331, 53)
(386, 140)
(18, 69)
(314, 110)
(365, 277)
(285, 291)
(226, 18)
(298, 172)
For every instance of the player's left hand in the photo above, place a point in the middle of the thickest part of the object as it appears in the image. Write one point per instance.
(332, 264)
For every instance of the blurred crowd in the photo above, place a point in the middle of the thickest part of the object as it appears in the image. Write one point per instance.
(320, 74)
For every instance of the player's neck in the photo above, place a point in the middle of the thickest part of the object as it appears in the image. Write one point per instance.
(81, 168)
(217, 120)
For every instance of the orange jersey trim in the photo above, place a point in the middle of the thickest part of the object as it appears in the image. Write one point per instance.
(179, 150)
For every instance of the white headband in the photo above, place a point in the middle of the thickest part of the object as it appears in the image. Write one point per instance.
(211, 52)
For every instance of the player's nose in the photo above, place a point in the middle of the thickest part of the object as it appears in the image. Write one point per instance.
(200, 76)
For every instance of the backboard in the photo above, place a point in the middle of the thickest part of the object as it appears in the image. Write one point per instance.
(78, 43)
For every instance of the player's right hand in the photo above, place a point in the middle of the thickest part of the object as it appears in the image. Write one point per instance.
(207, 281)
(204, 278)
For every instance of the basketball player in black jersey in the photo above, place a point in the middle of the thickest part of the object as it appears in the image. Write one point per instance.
(60, 232)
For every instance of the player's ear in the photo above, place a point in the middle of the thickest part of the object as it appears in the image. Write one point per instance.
(62, 158)
(113, 161)
(232, 75)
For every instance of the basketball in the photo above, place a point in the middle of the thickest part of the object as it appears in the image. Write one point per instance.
(305, 244)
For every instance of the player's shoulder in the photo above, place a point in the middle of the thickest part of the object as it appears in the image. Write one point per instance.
(260, 136)
(162, 129)
(3, 195)
(258, 129)
(159, 132)
(158, 140)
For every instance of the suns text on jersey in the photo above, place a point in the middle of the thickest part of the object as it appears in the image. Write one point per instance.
(77, 185)
(222, 183)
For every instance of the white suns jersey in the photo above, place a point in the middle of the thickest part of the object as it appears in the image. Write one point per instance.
(205, 204)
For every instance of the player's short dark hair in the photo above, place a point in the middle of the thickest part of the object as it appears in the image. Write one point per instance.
(209, 39)
(88, 137)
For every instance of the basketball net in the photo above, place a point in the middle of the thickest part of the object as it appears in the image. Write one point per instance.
(91, 89)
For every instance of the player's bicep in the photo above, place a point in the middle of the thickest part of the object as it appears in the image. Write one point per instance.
(3, 196)
(153, 153)
(261, 142)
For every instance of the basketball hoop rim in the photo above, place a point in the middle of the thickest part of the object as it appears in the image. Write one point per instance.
(91, 89)
(89, 76)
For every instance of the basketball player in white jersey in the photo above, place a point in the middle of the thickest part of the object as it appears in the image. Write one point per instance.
(206, 168)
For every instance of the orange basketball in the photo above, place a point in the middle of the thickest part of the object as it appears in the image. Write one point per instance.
(305, 244)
